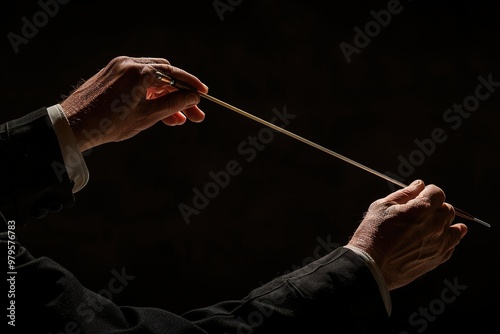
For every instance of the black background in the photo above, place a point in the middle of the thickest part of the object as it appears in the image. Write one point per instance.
(265, 55)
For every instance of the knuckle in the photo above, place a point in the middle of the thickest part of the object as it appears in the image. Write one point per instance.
(375, 205)
(437, 192)
(117, 61)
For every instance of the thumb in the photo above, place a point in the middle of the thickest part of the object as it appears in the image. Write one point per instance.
(402, 196)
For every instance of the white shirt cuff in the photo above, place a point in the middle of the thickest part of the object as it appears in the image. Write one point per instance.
(379, 278)
(73, 158)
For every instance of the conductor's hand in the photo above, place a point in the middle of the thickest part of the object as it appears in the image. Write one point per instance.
(124, 98)
(409, 233)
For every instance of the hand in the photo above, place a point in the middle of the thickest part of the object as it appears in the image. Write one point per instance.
(409, 233)
(125, 98)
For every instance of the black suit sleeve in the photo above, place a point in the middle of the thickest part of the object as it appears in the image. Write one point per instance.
(335, 294)
(33, 180)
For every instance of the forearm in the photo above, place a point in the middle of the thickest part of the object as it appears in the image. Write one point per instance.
(337, 292)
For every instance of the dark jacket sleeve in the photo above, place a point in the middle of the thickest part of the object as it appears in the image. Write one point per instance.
(33, 180)
(334, 294)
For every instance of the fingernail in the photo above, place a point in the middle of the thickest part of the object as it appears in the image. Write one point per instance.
(192, 99)
(416, 183)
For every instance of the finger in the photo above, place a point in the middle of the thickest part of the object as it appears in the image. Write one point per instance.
(183, 76)
(156, 92)
(444, 216)
(150, 60)
(447, 212)
(175, 119)
(165, 67)
(171, 103)
(406, 194)
(432, 194)
(450, 211)
(447, 255)
(170, 120)
(194, 114)
(456, 232)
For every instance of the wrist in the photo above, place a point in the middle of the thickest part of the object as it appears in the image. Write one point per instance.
(85, 139)
(377, 275)
(73, 159)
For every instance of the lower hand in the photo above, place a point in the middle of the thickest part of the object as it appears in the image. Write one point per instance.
(409, 233)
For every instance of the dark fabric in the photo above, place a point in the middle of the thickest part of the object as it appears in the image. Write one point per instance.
(335, 294)
(33, 181)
